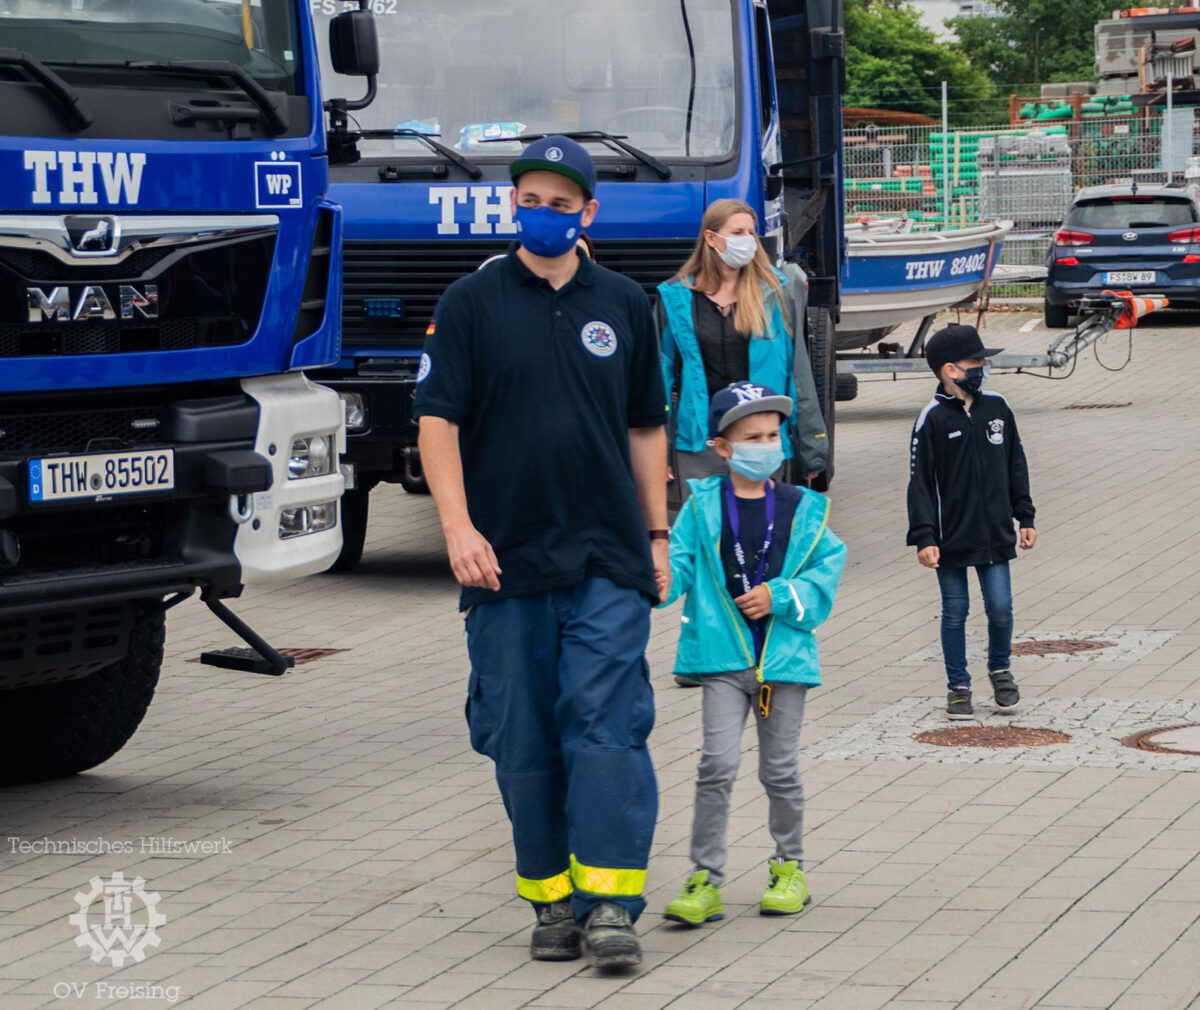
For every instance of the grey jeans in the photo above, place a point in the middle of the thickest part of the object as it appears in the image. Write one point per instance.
(728, 697)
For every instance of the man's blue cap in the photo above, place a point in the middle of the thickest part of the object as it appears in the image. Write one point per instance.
(562, 155)
(741, 399)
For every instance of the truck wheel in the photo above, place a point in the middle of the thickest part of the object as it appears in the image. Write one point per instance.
(416, 485)
(821, 353)
(847, 388)
(53, 730)
(355, 508)
(1056, 316)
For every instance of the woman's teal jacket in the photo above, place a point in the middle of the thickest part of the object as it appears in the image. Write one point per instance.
(715, 638)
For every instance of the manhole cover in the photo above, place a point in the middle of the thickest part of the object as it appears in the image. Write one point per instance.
(991, 737)
(1058, 646)
(1095, 406)
(301, 656)
(1172, 740)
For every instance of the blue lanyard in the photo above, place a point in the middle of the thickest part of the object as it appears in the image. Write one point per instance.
(739, 552)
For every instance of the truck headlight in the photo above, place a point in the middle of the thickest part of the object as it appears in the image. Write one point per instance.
(300, 522)
(356, 411)
(312, 456)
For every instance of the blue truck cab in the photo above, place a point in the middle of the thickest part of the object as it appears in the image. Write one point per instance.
(169, 264)
(681, 102)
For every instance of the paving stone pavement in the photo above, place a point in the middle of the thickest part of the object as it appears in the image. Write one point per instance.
(358, 855)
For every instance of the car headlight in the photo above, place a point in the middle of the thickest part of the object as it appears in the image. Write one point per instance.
(308, 519)
(356, 411)
(312, 456)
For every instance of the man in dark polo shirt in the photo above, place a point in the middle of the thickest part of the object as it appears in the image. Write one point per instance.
(541, 407)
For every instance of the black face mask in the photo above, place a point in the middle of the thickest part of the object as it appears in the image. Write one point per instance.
(972, 382)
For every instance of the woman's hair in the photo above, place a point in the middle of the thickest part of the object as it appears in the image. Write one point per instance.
(702, 271)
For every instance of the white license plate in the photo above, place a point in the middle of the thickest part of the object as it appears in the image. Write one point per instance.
(1130, 277)
(102, 475)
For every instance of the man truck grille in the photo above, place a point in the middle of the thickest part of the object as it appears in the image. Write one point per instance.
(413, 275)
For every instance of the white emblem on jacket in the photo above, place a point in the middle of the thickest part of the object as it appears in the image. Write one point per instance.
(996, 432)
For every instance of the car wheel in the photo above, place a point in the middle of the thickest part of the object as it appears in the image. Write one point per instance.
(1057, 317)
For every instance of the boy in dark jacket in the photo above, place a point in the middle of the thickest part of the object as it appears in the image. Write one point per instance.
(968, 482)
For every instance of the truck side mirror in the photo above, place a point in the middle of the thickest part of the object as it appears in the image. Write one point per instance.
(353, 44)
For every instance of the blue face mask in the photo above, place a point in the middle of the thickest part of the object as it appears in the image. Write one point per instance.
(756, 462)
(547, 233)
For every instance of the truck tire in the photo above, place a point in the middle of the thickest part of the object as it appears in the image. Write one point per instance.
(821, 353)
(54, 730)
(1057, 317)
(417, 485)
(356, 506)
(847, 388)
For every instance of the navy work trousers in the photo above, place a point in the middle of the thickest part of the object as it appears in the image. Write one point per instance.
(560, 699)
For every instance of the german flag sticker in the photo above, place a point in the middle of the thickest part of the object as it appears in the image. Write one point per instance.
(432, 328)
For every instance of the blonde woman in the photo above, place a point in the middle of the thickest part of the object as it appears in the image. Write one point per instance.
(730, 316)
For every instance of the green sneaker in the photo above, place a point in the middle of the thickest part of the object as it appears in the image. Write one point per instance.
(787, 893)
(699, 902)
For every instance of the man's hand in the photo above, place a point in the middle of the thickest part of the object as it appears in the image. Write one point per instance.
(1028, 538)
(660, 550)
(756, 603)
(930, 557)
(472, 559)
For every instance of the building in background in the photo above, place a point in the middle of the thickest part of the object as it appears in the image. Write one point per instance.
(978, 8)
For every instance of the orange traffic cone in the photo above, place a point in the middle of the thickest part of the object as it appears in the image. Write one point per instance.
(1137, 306)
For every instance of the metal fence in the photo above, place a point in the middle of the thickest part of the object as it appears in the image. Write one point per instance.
(1027, 174)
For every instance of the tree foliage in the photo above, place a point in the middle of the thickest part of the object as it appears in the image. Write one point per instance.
(1035, 41)
(895, 62)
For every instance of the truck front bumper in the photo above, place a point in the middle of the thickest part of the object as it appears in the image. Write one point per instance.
(221, 526)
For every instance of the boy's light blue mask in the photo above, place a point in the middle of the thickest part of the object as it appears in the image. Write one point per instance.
(756, 462)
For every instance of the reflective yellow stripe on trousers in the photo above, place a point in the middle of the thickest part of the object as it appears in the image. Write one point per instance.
(607, 881)
(547, 891)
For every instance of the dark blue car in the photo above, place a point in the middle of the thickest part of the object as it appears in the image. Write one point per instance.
(1144, 239)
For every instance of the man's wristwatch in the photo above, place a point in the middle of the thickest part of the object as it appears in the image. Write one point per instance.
(660, 534)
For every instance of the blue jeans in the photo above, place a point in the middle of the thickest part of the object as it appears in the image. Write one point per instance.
(560, 699)
(996, 585)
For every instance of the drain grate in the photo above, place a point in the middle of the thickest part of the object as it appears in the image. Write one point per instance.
(300, 656)
(992, 737)
(1058, 646)
(1170, 740)
(1096, 406)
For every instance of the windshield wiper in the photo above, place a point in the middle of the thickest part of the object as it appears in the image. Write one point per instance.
(451, 155)
(276, 118)
(615, 141)
(69, 100)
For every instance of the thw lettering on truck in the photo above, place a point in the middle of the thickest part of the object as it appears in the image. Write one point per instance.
(75, 174)
(491, 207)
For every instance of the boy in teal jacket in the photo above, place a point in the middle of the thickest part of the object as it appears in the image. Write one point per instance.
(760, 568)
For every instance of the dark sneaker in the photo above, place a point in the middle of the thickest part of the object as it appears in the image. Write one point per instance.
(610, 937)
(958, 704)
(1004, 690)
(557, 936)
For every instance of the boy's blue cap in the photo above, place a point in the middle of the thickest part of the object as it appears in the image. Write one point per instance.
(558, 154)
(741, 399)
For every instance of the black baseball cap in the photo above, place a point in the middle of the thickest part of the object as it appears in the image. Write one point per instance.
(558, 154)
(741, 399)
(956, 342)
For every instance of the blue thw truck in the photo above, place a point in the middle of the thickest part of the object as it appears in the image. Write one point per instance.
(682, 102)
(169, 265)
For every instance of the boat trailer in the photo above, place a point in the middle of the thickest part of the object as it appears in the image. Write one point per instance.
(1099, 316)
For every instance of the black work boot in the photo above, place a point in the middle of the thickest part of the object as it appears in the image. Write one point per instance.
(557, 936)
(610, 937)
(1004, 690)
(958, 704)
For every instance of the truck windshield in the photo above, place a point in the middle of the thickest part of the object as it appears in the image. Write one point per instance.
(476, 70)
(257, 35)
